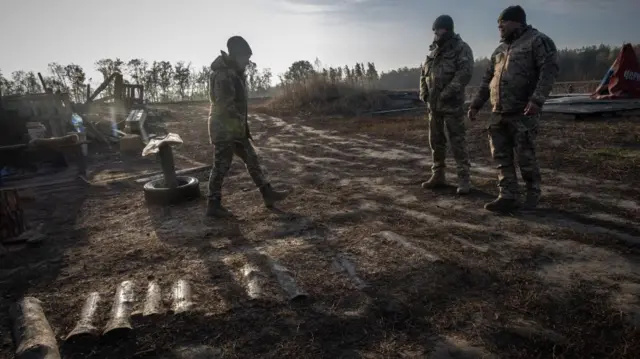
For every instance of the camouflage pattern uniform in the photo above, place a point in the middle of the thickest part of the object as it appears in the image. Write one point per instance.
(522, 69)
(445, 74)
(229, 133)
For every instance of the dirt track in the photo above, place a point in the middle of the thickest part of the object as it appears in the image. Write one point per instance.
(391, 270)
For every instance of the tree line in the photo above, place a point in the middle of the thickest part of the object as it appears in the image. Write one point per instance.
(165, 81)
(162, 80)
(583, 64)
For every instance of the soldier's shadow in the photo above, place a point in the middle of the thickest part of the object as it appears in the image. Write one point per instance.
(293, 224)
(451, 190)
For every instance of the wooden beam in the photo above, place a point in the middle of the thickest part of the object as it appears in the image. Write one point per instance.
(102, 87)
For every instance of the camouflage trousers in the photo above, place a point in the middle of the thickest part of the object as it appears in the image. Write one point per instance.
(222, 159)
(511, 137)
(452, 125)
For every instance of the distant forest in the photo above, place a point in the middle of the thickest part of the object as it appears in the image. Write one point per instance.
(165, 81)
(584, 64)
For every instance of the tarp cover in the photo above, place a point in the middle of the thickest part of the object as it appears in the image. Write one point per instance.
(623, 78)
(154, 144)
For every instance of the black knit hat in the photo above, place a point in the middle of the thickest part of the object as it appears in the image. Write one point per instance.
(513, 13)
(237, 45)
(443, 22)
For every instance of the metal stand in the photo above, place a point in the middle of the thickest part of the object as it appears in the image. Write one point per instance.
(168, 168)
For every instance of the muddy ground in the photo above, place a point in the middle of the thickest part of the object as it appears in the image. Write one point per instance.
(390, 270)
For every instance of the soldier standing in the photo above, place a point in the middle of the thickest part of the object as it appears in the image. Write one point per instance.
(522, 72)
(228, 126)
(445, 75)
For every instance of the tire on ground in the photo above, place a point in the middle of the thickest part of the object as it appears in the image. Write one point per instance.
(155, 192)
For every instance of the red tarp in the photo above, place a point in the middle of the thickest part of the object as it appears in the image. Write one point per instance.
(623, 78)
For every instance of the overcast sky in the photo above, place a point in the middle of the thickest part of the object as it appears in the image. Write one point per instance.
(391, 33)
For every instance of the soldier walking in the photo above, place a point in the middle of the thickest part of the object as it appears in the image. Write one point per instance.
(522, 72)
(229, 128)
(445, 74)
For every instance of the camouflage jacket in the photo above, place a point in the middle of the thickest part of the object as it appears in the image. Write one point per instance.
(446, 72)
(228, 97)
(521, 70)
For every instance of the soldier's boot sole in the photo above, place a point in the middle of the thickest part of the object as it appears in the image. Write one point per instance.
(435, 181)
(464, 186)
(216, 210)
(271, 196)
(503, 205)
(531, 202)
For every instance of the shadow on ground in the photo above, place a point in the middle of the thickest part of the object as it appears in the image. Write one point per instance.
(34, 270)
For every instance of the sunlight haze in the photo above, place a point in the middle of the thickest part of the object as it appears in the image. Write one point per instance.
(389, 33)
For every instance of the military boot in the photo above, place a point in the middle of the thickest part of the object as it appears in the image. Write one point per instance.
(464, 185)
(215, 209)
(531, 201)
(437, 179)
(271, 196)
(502, 205)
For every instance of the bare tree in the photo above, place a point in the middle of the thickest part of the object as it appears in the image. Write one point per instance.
(299, 71)
(108, 67)
(165, 77)
(181, 76)
(76, 79)
(372, 72)
(136, 69)
(252, 76)
(152, 79)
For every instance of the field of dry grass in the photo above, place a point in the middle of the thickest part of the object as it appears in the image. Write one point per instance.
(319, 95)
(390, 270)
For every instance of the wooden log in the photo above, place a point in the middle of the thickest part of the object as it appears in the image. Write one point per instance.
(119, 324)
(101, 87)
(32, 333)
(94, 132)
(12, 222)
(55, 142)
(85, 328)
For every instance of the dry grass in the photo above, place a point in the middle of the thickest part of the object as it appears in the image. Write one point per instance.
(321, 96)
(561, 282)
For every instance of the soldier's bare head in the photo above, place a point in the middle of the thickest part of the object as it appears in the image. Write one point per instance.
(442, 25)
(511, 19)
(239, 50)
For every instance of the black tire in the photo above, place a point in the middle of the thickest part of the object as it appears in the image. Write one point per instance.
(188, 189)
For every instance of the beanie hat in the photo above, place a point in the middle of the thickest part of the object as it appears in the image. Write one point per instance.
(443, 22)
(238, 46)
(513, 13)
